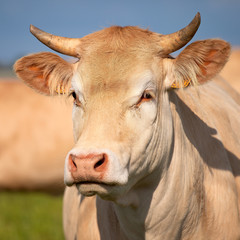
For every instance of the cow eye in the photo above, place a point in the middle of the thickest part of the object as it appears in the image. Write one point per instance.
(76, 100)
(74, 95)
(146, 97)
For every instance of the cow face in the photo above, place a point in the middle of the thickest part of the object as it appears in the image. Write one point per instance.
(115, 91)
(121, 115)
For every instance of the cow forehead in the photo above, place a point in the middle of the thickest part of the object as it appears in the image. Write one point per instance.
(112, 68)
(111, 58)
(112, 78)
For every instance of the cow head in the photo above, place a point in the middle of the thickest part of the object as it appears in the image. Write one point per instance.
(121, 115)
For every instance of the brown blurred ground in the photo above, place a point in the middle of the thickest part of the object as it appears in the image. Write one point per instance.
(35, 136)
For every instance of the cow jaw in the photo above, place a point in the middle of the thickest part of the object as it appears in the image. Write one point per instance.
(121, 135)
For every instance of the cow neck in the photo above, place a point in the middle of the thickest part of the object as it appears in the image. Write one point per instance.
(159, 206)
(127, 216)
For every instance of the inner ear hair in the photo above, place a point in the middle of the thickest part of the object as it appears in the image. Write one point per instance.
(202, 60)
(178, 76)
(45, 72)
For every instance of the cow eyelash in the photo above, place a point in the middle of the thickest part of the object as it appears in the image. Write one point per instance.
(76, 100)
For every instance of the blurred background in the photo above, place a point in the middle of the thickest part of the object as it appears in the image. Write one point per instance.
(36, 131)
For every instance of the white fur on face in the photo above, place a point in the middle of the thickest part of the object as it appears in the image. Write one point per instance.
(77, 112)
(132, 120)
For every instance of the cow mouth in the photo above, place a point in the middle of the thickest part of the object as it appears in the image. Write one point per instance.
(90, 188)
(96, 183)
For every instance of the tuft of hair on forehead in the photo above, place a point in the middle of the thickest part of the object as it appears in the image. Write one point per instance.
(117, 37)
(127, 32)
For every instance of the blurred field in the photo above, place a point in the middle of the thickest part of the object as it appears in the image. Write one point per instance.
(30, 216)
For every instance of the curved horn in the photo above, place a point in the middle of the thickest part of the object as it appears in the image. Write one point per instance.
(67, 46)
(174, 41)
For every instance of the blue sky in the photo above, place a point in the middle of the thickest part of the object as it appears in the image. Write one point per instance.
(76, 18)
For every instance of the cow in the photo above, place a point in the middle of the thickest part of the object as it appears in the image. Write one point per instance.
(157, 148)
(35, 138)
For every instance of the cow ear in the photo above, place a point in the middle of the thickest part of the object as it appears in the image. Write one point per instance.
(45, 72)
(197, 63)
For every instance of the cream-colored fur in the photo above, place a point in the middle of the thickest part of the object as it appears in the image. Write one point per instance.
(173, 158)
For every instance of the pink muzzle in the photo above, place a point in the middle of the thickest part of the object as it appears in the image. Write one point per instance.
(88, 168)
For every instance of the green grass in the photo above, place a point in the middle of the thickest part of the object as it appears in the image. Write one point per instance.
(33, 216)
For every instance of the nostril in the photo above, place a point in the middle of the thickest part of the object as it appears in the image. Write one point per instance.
(100, 165)
(72, 164)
